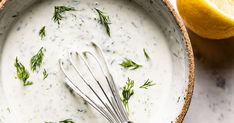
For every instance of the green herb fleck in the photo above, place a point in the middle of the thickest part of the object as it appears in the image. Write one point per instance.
(67, 121)
(104, 20)
(22, 73)
(129, 64)
(28, 83)
(37, 59)
(58, 11)
(42, 32)
(148, 83)
(45, 74)
(127, 92)
(146, 54)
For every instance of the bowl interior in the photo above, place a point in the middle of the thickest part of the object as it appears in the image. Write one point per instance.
(175, 92)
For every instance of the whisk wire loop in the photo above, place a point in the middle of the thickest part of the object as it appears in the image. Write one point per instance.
(112, 108)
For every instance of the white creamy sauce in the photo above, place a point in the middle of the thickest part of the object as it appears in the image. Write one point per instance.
(132, 29)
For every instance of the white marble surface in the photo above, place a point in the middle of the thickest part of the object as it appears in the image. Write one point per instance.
(213, 99)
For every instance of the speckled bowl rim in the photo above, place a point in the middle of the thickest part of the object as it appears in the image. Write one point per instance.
(190, 56)
(191, 65)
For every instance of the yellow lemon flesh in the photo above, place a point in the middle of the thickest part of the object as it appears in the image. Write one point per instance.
(213, 19)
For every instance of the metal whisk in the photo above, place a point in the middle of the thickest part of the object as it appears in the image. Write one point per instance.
(100, 92)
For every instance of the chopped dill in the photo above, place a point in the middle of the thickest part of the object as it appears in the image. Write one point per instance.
(37, 59)
(63, 121)
(104, 20)
(129, 64)
(148, 83)
(45, 74)
(127, 92)
(58, 11)
(146, 54)
(22, 73)
(67, 121)
(42, 32)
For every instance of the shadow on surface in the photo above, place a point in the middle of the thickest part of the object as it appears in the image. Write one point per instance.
(213, 53)
(214, 88)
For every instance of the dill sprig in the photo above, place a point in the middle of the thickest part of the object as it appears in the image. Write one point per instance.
(127, 92)
(37, 59)
(42, 32)
(104, 20)
(22, 73)
(63, 121)
(129, 64)
(148, 83)
(58, 11)
(67, 121)
(146, 54)
(45, 74)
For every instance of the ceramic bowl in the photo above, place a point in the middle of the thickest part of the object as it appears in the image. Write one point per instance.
(172, 97)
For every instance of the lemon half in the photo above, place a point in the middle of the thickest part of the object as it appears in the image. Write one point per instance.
(213, 19)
